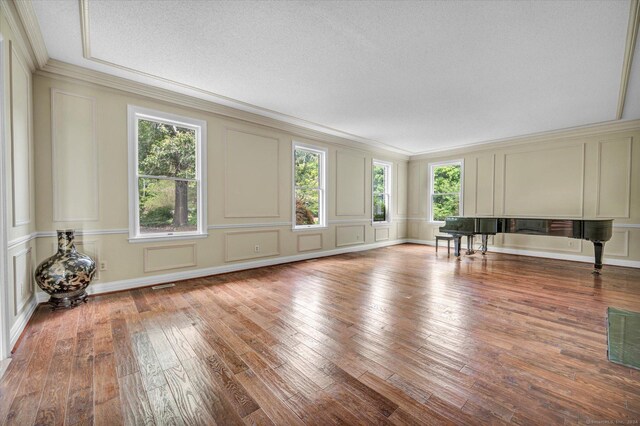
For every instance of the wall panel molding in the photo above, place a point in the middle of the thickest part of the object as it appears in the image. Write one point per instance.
(21, 124)
(250, 225)
(492, 186)
(351, 183)
(22, 280)
(251, 175)
(381, 234)
(167, 257)
(348, 235)
(615, 180)
(618, 245)
(400, 182)
(241, 245)
(309, 242)
(74, 157)
(544, 180)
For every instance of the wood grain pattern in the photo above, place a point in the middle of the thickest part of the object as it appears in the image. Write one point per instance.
(398, 336)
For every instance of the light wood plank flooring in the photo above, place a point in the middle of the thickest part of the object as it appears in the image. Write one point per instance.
(398, 335)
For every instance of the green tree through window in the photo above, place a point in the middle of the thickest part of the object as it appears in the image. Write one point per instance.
(445, 198)
(309, 189)
(167, 184)
(380, 192)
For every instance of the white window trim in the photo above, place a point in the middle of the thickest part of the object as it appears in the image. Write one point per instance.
(445, 163)
(322, 209)
(200, 127)
(387, 184)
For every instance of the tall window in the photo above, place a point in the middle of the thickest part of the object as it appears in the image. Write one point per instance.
(166, 187)
(381, 193)
(309, 170)
(446, 190)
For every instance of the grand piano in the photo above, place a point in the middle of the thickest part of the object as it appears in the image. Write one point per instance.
(597, 231)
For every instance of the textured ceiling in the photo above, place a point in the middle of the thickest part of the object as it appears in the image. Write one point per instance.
(418, 76)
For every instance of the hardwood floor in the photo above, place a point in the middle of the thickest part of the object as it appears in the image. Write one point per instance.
(390, 336)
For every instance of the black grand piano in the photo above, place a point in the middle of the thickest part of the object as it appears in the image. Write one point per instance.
(597, 231)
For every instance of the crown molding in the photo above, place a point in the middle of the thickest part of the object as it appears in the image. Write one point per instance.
(74, 73)
(21, 40)
(32, 29)
(224, 101)
(630, 46)
(573, 132)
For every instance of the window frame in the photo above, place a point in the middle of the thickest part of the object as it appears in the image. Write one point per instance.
(388, 167)
(322, 180)
(432, 166)
(134, 114)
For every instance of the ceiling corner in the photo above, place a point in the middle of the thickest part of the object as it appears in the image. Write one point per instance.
(32, 29)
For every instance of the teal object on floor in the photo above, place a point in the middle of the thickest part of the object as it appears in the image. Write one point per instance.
(623, 332)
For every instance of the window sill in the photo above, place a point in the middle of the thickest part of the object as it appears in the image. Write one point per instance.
(178, 237)
(310, 228)
(387, 223)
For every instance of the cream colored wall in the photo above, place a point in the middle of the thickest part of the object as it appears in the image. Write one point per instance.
(592, 175)
(20, 177)
(81, 181)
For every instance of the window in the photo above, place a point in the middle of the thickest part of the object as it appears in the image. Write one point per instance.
(381, 193)
(446, 190)
(309, 170)
(166, 175)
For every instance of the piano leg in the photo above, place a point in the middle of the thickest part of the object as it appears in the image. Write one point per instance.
(470, 249)
(456, 245)
(483, 248)
(598, 248)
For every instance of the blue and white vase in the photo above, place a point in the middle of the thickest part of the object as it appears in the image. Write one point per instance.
(66, 274)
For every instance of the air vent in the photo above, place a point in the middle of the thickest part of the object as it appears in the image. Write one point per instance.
(161, 286)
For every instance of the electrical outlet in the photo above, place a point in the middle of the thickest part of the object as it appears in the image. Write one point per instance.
(256, 248)
(103, 265)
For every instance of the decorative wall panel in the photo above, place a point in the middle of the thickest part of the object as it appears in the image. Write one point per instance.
(402, 229)
(614, 178)
(251, 175)
(349, 235)
(20, 139)
(485, 173)
(414, 186)
(74, 156)
(251, 245)
(22, 281)
(308, 242)
(545, 183)
(350, 183)
(381, 234)
(618, 245)
(400, 193)
(175, 256)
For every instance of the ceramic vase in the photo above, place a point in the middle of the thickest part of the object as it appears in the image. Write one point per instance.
(66, 274)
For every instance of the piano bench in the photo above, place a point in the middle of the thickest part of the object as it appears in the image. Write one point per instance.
(446, 238)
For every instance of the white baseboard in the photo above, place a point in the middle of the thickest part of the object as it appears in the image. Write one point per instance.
(548, 255)
(108, 287)
(21, 321)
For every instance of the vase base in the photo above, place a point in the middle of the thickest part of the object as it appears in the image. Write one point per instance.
(67, 302)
